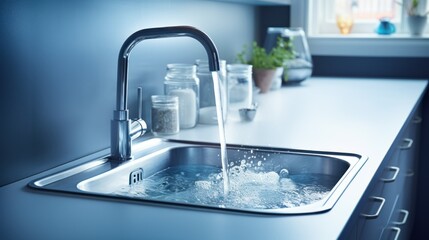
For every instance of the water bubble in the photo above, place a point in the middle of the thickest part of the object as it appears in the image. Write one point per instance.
(235, 171)
(243, 162)
(259, 163)
(284, 173)
(269, 178)
(203, 184)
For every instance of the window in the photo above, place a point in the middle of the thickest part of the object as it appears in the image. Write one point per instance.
(362, 15)
(317, 18)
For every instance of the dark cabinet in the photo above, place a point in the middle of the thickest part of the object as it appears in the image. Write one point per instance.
(401, 221)
(387, 209)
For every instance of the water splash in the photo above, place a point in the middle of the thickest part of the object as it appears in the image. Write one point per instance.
(249, 188)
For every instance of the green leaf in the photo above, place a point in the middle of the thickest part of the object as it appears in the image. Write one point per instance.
(261, 59)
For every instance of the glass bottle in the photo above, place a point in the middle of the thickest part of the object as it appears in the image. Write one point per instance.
(207, 114)
(240, 88)
(181, 80)
(165, 115)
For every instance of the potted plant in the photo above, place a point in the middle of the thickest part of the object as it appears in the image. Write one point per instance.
(417, 16)
(267, 66)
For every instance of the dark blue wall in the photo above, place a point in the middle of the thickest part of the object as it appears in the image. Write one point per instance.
(59, 61)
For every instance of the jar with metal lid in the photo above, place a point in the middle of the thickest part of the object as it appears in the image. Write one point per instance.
(165, 115)
(207, 114)
(181, 80)
(240, 88)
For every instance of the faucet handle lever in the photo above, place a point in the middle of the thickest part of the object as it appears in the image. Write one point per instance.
(140, 102)
(138, 125)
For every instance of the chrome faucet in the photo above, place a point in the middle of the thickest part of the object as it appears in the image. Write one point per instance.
(121, 129)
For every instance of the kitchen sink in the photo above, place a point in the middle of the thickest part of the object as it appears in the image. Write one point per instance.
(181, 173)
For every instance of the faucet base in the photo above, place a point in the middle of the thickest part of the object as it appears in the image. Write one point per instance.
(120, 140)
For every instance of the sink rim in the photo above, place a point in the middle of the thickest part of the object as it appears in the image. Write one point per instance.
(85, 173)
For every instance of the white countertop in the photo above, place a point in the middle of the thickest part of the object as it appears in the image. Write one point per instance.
(362, 116)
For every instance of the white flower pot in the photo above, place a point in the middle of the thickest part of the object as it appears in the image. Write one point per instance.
(417, 24)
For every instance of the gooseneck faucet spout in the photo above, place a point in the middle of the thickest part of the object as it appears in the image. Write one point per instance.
(120, 127)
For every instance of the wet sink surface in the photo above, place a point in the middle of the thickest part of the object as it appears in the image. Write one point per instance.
(263, 180)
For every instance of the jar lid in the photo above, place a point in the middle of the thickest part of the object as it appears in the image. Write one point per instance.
(164, 99)
(181, 67)
(203, 65)
(239, 67)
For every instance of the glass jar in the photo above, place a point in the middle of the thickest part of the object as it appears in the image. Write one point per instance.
(182, 81)
(207, 114)
(165, 115)
(240, 88)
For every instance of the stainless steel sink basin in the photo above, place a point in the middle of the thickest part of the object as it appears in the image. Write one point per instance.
(327, 174)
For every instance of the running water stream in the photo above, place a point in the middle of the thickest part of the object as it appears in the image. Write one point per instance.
(221, 128)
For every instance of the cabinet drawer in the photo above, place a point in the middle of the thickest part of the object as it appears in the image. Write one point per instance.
(374, 217)
(388, 207)
(378, 209)
(400, 222)
(391, 231)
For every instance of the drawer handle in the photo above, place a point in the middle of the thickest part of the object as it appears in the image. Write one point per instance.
(396, 172)
(396, 230)
(410, 173)
(404, 220)
(408, 142)
(375, 215)
(417, 119)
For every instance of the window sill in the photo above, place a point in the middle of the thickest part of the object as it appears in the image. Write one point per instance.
(398, 45)
(258, 2)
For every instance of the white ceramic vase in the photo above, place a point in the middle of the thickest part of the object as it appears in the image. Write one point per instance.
(417, 24)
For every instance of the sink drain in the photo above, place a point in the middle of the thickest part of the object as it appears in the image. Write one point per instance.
(136, 176)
